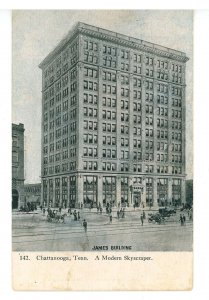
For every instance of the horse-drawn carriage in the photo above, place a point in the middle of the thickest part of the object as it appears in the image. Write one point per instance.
(54, 216)
(156, 218)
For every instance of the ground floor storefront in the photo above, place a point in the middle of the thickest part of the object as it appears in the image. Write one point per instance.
(92, 189)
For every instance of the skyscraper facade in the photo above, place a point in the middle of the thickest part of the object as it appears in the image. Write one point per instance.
(113, 121)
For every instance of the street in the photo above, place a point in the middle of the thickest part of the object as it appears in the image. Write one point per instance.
(32, 232)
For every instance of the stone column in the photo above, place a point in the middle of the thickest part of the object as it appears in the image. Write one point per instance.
(155, 203)
(130, 193)
(60, 202)
(169, 190)
(68, 191)
(47, 199)
(99, 190)
(42, 192)
(79, 189)
(53, 200)
(183, 191)
(118, 190)
(143, 192)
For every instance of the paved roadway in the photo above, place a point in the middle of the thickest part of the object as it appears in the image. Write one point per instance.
(32, 232)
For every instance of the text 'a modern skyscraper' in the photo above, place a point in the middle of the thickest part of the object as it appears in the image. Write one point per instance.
(113, 121)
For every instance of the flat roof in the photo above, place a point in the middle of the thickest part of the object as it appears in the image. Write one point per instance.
(115, 37)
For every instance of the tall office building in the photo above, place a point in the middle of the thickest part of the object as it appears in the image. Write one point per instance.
(113, 122)
(18, 198)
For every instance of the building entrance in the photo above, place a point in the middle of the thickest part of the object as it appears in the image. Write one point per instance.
(137, 198)
(15, 198)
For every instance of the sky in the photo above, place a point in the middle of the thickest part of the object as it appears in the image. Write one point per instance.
(36, 33)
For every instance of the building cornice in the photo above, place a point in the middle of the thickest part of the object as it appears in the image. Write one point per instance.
(137, 44)
(110, 36)
(17, 127)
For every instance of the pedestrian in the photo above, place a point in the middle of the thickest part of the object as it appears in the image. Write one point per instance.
(60, 209)
(44, 211)
(110, 218)
(85, 225)
(78, 216)
(144, 215)
(190, 215)
(181, 220)
(184, 219)
(142, 219)
(123, 213)
(100, 210)
(75, 215)
(81, 205)
(118, 213)
(41, 207)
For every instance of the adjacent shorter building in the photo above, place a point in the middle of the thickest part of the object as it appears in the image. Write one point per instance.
(113, 121)
(18, 198)
(33, 193)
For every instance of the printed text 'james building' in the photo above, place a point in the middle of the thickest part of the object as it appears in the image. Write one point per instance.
(113, 121)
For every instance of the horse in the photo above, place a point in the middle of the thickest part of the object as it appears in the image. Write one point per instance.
(60, 218)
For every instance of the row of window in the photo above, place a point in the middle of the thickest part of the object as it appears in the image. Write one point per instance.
(107, 166)
(90, 98)
(163, 123)
(57, 169)
(89, 152)
(176, 125)
(109, 140)
(109, 76)
(111, 102)
(90, 72)
(109, 153)
(176, 158)
(162, 157)
(109, 115)
(109, 127)
(90, 125)
(89, 112)
(93, 73)
(162, 111)
(90, 57)
(176, 113)
(58, 144)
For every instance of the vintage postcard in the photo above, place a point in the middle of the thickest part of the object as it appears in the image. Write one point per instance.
(102, 150)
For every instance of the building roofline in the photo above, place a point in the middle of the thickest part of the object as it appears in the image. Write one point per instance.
(19, 126)
(119, 38)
